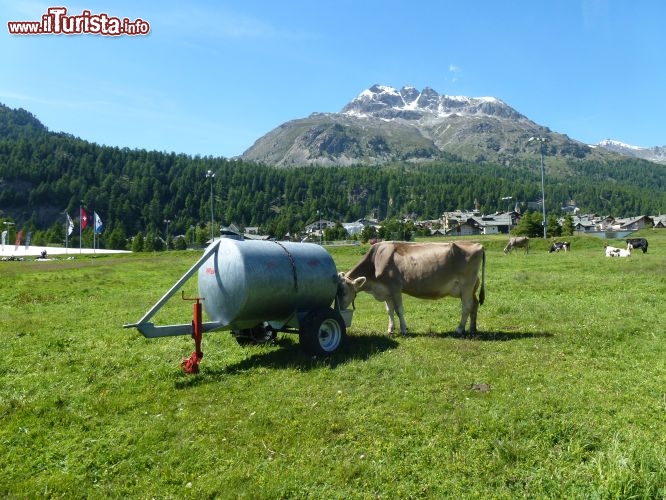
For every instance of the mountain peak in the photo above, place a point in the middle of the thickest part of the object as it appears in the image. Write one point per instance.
(383, 101)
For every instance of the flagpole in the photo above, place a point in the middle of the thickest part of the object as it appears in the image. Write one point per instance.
(66, 231)
(80, 223)
(98, 227)
(94, 234)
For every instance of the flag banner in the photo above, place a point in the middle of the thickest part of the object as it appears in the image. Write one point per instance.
(99, 227)
(70, 225)
(4, 238)
(19, 237)
(28, 239)
(84, 218)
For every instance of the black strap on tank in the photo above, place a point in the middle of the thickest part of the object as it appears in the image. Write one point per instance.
(293, 264)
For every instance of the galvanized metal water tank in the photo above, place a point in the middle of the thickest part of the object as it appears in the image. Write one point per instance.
(247, 282)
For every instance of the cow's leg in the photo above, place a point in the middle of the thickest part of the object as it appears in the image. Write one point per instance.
(469, 306)
(472, 315)
(394, 305)
(390, 310)
(397, 301)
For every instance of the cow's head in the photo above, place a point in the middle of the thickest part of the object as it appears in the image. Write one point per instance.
(347, 289)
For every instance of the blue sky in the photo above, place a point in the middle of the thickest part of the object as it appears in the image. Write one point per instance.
(212, 77)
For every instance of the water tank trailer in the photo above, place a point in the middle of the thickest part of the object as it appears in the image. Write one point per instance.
(255, 289)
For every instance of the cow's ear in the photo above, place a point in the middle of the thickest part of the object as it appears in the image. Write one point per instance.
(359, 282)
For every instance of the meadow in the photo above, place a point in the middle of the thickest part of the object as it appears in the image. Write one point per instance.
(562, 394)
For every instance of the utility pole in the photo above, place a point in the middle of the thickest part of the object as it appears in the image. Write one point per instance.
(166, 238)
(541, 141)
(211, 175)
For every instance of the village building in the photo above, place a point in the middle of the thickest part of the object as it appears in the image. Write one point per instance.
(631, 223)
(318, 227)
(659, 222)
(356, 227)
(462, 223)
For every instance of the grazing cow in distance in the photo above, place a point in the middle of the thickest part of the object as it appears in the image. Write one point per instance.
(624, 252)
(560, 245)
(636, 243)
(422, 270)
(617, 252)
(517, 242)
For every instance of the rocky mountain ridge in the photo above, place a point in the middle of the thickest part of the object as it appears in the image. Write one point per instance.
(408, 103)
(655, 154)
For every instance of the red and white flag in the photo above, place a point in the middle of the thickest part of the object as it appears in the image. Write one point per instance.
(84, 219)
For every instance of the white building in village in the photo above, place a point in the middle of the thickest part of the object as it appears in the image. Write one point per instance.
(318, 226)
(357, 226)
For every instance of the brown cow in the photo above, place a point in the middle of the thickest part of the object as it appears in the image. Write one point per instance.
(422, 270)
(518, 242)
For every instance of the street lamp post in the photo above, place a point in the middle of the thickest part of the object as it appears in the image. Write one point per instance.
(211, 175)
(507, 198)
(166, 238)
(541, 141)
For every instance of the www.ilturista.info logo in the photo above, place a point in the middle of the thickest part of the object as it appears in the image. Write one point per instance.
(56, 22)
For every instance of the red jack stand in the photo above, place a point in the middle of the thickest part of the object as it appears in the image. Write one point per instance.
(191, 365)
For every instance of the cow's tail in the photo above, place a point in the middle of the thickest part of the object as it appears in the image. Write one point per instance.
(482, 292)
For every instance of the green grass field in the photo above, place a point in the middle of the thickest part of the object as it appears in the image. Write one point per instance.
(562, 395)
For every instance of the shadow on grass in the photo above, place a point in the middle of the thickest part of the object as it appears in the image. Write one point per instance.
(289, 354)
(486, 336)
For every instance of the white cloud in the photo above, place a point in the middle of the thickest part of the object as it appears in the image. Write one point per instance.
(455, 72)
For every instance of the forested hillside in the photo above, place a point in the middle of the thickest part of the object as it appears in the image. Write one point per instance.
(44, 174)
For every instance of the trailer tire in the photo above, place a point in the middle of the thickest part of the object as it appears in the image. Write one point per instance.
(259, 334)
(322, 332)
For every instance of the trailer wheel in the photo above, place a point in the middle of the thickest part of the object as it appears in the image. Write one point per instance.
(322, 332)
(258, 334)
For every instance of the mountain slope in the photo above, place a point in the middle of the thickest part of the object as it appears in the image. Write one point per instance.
(383, 124)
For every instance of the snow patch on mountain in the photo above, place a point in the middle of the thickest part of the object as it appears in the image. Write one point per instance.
(408, 103)
(612, 143)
